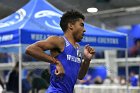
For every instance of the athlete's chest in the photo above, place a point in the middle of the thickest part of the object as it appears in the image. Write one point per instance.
(73, 54)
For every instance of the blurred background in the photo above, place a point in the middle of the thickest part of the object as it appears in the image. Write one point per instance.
(111, 70)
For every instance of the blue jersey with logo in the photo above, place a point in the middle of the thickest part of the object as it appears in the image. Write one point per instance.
(70, 58)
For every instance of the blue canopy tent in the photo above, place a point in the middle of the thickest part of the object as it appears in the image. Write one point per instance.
(38, 19)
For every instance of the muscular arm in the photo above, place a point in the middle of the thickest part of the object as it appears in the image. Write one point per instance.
(53, 44)
(37, 49)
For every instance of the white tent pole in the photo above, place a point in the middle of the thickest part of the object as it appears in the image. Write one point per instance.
(20, 62)
(20, 69)
(126, 66)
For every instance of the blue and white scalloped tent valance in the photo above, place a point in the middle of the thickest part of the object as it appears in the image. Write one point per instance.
(38, 19)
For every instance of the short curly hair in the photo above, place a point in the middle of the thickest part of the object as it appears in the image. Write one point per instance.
(69, 17)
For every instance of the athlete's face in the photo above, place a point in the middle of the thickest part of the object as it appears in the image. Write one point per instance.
(78, 30)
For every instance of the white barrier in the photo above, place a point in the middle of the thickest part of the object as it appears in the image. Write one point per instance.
(105, 89)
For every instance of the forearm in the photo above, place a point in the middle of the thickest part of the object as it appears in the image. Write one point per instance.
(84, 68)
(39, 54)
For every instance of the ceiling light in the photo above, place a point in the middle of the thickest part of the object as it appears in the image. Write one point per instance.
(92, 10)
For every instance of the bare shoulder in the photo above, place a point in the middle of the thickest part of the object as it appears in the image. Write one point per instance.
(54, 38)
(57, 41)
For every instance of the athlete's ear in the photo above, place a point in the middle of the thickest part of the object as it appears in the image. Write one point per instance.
(70, 26)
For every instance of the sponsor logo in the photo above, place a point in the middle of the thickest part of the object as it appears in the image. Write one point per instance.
(18, 17)
(52, 18)
(102, 40)
(6, 37)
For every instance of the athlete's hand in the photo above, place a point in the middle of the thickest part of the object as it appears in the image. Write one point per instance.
(88, 53)
(59, 71)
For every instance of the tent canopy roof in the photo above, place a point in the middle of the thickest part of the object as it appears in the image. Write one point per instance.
(38, 19)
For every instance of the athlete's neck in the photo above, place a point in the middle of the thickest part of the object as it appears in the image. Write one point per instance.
(70, 38)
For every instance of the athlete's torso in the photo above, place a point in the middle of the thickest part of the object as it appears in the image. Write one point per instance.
(70, 58)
